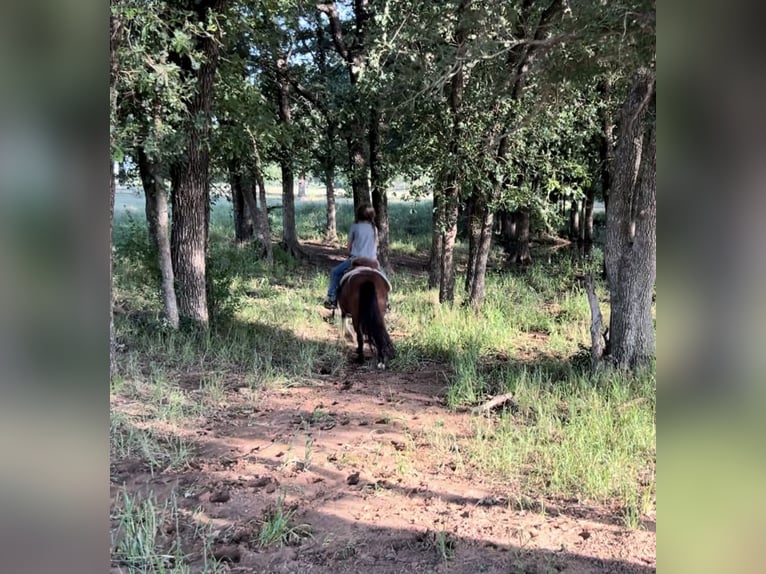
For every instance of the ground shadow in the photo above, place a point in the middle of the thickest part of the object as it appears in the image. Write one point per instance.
(386, 540)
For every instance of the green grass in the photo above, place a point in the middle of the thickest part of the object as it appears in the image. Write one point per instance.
(128, 441)
(444, 544)
(571, 437)
(572, 433)
(278, 527)
(146, 537)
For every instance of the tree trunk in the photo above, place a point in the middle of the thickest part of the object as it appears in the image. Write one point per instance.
(627, 162)
(262, 235)
(191, 216)
(359, 183)
(331, 229)
(483, 244)
(380, 204)
(357, 142)
(630, 252)
(262, 226)
(157, 209)
(449, 234)
(588, 216)
(574, 221)
(302, 184)
(243, 216)
(606, 149)
(289, 234)
(354, 55)
(379, 195)
(596, 321)
(507, 228)
(437, 222)
(150, 184)
(246, 190)
(520, 246)
(452, 184)
(191, 183)
(475, 220)
(483, 218)
(606, 152)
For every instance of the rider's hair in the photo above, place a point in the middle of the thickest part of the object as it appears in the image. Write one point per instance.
(365, 213)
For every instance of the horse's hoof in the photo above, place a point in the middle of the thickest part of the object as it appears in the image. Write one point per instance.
(382, 366)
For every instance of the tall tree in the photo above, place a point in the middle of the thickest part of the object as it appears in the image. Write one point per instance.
(353, 51)
(157, 218)
(449, 183)
(277, 30)
(245, 125)
(631, 229)
(534, 31)
(320, 80)
(189, 170)
(149, 108)
(289, 234)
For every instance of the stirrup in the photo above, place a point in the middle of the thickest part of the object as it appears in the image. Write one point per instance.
(330, 304)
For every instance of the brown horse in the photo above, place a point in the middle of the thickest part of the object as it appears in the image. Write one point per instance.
(363, 296)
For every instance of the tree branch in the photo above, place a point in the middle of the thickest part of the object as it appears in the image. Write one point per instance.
(495, 403)
(335, 29)
(645, 81)
(547, 18)
(307, 95)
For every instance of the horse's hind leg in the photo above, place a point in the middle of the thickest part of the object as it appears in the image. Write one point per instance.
(359, 346)
(381, 361)
(346, 328)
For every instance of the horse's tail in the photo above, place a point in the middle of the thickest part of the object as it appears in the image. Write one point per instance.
(371, 320)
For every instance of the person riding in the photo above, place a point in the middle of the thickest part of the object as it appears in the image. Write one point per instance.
(362, 242)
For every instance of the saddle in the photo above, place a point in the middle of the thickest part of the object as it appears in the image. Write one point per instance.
(357, 268)
(365, 262)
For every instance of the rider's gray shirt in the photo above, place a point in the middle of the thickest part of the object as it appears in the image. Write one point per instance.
(363, 237)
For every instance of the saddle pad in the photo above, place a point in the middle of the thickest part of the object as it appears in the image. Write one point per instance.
(357, 270)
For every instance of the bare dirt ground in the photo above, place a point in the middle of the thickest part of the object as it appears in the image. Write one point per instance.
(351, 455)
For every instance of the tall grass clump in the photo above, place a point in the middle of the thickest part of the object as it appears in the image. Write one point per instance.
(146, 537)
(569, 433)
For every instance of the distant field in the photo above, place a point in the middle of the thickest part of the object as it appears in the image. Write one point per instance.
(130, 199)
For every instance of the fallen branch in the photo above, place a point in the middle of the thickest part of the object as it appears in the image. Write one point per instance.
(271, 208)
(495, 403)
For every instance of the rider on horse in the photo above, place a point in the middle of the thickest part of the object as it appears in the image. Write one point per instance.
(362, 244)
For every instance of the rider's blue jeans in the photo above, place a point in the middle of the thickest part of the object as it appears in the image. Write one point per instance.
(335, 276)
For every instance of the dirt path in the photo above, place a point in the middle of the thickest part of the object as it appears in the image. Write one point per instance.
(351, 456)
